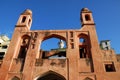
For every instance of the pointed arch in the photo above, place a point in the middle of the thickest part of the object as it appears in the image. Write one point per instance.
(54, 36)
(52, 51)
(51, 75)
(25, 39)
(83, 38)
(84, 46)
(87, 78)
(15, 78)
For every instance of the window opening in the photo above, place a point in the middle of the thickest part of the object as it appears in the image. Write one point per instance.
(23, 19)
(82, 51)
(72, 46)
(4, 47)
(23, 48)
(82, 40)
(106, 48)
(71, 40)
(106, 43)
(2, 55)
(29, 22)
(110, 67)
(23, 51)
(71, 34)
(87, 17)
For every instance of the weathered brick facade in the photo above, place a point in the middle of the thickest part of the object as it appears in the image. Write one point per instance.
(84, 60)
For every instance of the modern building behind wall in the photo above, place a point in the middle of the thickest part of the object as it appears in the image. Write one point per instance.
(81, 59)
(4, 43)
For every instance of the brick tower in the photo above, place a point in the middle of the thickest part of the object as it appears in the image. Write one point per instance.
(82, 59)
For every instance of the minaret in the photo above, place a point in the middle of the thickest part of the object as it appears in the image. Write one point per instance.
(25, 19)
(86, 17)
(14, 49)
(93, 46)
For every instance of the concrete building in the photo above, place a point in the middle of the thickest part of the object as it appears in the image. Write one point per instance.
(4, 43)
(105, 44)
(83, 58)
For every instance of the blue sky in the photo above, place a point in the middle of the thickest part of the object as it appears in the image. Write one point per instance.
(64, 14)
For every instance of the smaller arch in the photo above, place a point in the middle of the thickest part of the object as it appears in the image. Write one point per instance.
(15, 78)
(25, 36)
(83, 35)
(87, 78)
(23, 19)
(51, 75)
(25, 39)
(83, 38)
(84, 46)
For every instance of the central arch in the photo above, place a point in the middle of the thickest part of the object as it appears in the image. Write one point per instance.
(50, 51)
(51, 76)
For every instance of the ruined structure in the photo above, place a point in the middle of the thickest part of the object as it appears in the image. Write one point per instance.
(82, 59)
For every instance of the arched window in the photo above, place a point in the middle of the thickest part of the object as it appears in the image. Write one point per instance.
(23, 50)
(83, 46)
(82, 40)
(24, 47)
(87, 17)
(23, 19)
(15, 78)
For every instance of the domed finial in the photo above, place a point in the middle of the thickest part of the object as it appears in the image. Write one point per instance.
(27, 12)
(85, 10)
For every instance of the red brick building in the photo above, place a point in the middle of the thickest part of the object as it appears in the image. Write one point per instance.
(82, 59)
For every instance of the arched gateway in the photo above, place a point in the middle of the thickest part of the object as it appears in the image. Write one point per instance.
(51, 76)
(81, 59)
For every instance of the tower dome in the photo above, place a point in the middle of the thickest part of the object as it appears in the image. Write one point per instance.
(27, 12)
(85, 10)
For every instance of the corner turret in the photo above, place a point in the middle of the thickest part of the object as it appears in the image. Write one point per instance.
(86, 17)
(25, 19)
